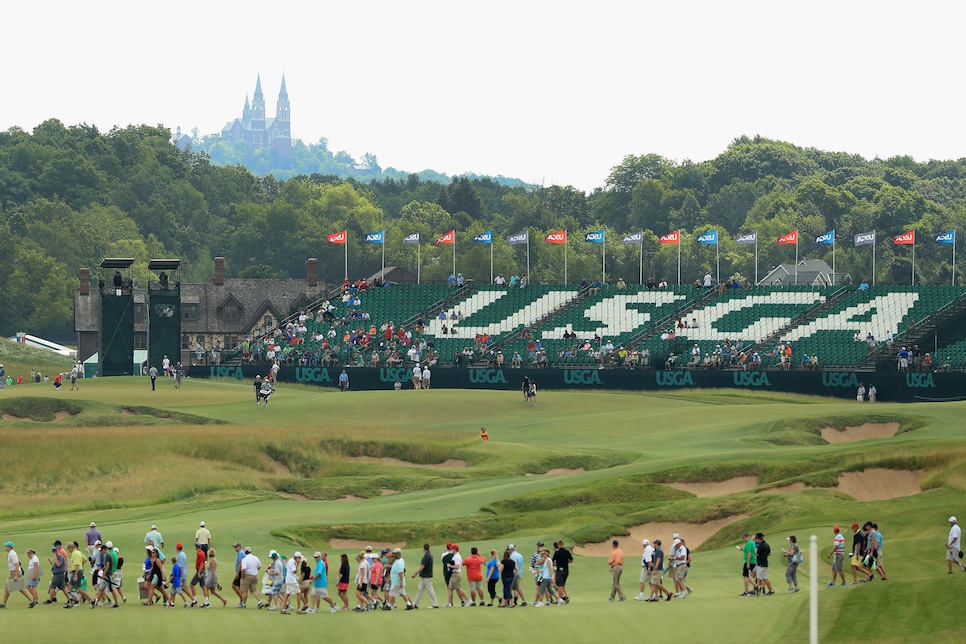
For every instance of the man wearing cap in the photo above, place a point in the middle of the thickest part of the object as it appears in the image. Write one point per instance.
(236, 582)
(749, 556)
(203, 537)
(517, 575)
(838, 556)
(397, 581)
(13, 574)
(276, 578)
(58, 574)
(104, 577)
(154, 538)
(616, 563)
(320, 586)
(75, 578)
(647, 565)
(291, 584)
(561, 563)
(201, 559)
(425, 574)
(92, 536)
(858, 553)
(954, 545)
(657, 575)
(679, 564)
(182, 560)
(761, 569)
(249, 567)
(455, 582)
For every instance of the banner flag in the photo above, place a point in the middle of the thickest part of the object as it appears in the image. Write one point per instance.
(946, 238)
(864, 239)
(519, 238)
(710, 237)
(826, 238)
(557, 238)
(411, 239)
(448, 238)
(634, 238)
(484, 238)
(671, 238)
(905, 238)
(789, 238)
(376, 238)
(747, 239)
(337, 238)
(595, 238)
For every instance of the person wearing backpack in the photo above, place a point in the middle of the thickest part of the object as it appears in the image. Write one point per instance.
(794, 555)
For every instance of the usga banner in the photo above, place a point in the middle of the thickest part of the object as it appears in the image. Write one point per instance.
(336, 238)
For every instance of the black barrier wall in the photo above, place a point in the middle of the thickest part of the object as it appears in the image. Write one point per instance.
(892, 387)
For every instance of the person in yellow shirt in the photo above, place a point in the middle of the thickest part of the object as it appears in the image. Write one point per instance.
(75, 574)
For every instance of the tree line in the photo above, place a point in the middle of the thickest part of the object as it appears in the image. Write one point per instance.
(71, 195)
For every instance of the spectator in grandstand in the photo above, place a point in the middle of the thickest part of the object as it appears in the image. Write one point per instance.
(651, 283)
(903, 357)
(645, 358)
(621, 284)
(806, 362)
(915, 358)
(595, 286)
(669, 362)
(707, 280)
(663, 283)
(524, 280)
(864, 286)
(516, 361)
(584, 285)
(500, 281)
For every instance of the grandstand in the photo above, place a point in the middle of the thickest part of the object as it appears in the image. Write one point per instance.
(554, 325)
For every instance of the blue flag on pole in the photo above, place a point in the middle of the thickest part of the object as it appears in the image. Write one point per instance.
(710, 237)
(376, 238)
(595, 238)
(946, 238)
(826, 238)
(484, 238)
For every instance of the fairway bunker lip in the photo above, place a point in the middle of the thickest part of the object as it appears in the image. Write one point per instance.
(797, 486)
(880, 484)
(865, 431)
(388, 460)
(559, 471)
(694, 535)
(356, 544)
(733, 485)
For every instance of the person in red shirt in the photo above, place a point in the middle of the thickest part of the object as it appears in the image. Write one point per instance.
(200, 575)
(474, 576)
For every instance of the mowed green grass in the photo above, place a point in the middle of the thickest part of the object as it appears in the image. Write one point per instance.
(241, 476)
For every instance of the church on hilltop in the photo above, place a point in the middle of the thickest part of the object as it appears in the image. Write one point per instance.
(260, 131)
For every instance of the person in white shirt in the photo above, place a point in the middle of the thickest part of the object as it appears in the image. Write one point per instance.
(954, 545)
(647, 564)
(13, 574)
(679, 565)
(250, 565)
(417, 374)
(425, 379)
(203, 537)
(291, 584)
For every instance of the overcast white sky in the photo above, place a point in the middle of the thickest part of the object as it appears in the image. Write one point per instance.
(550, 92)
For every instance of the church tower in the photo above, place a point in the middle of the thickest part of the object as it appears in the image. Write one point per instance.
(247, 112)
(258, 114)
(281, 134)
(283, 113)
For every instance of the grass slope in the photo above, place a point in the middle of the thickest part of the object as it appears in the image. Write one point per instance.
(207, 452)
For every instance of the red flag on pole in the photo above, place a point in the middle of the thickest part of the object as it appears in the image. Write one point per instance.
(905, 238)
(557, 237)
(671, 238)
(790, 238)
(448, 238)
(337, 238)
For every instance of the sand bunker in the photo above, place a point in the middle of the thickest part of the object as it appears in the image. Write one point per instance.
(450, 462)
(719, 488)
(296, 497)
(350, 497)
(355, 544)
(863, 432)
(127, 412)
(694, 534)
(878, 484)
(797, 486)
(281, 469)
(387, 490)
(558, 471)
(59, 415)
(12, 417)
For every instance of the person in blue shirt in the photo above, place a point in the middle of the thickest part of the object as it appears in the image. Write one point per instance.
(864, 286)
(320, 586)
(177, 577)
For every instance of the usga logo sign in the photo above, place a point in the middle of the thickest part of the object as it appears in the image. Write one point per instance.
(674, 379)
(487, 376)
(581, 377)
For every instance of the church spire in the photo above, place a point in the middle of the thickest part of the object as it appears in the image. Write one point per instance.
(283, 111)
(258, 102)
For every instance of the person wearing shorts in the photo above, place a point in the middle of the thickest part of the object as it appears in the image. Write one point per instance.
(236, 581)
(838, 556)
(749, 561)
(455, 583)
(761, 570)
(561, 560)
(250, 565)
(362, 583)
(320, 586)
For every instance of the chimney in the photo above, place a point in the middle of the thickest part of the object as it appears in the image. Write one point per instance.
(312, 273)
(220, 271)
(85, 281)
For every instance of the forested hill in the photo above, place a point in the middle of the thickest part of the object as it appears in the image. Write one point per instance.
(70, 196)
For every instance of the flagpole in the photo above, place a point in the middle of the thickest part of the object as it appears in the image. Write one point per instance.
(491, 259)
(756, 258)
(954, 257)
(679, 257)
(565, 257)
(717, 259)
(419, 261)
(345, 247)
(913, 261)
(796, 258)
(642, 256)
(873, 257)
(528, 256)
(834, 280)
(454, 253)
(603, 259)
(384, 254)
